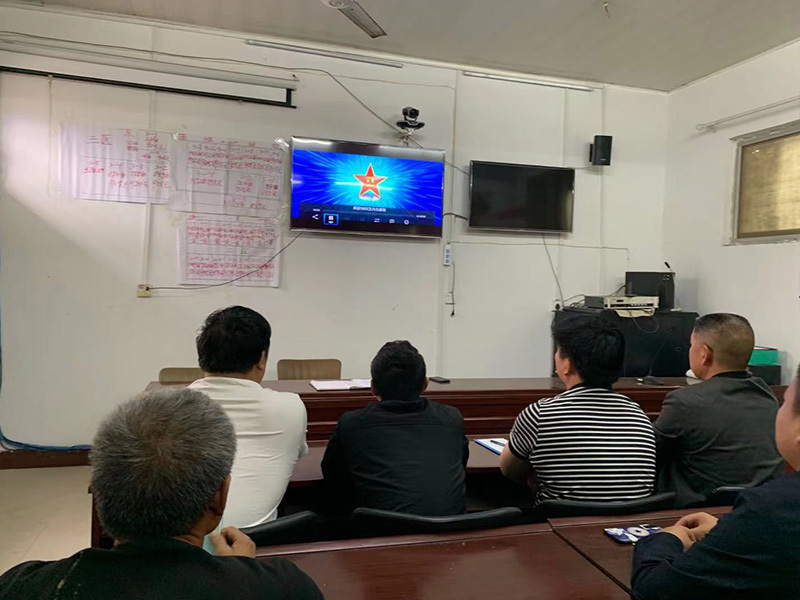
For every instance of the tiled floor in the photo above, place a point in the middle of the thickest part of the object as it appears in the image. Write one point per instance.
(45, 514)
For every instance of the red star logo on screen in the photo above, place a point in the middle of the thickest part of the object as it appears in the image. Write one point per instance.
(370, 183)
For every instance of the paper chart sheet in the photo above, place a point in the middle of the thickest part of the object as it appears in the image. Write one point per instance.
(118, 165)
(219, 248)
(228, 177)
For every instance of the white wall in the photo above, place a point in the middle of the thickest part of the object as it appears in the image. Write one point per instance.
(758, 281)
(76, 341)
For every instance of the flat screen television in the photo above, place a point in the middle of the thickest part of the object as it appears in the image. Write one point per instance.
(521, 197)
(366, 188)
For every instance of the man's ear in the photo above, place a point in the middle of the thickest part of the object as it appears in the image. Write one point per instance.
(373, 390)
(424, 386)
(262, 363)
(707, 355)
(220, 499)
(569, 367)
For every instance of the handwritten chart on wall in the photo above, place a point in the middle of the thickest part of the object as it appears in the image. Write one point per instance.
(228, 176)
(220, 248)
(118, 165)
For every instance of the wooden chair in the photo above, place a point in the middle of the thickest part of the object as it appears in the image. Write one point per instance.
(312, 368)
(171, 375)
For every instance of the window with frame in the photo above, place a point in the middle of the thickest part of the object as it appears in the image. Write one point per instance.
(767, 200)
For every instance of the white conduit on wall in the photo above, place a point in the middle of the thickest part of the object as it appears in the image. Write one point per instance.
(713, 124)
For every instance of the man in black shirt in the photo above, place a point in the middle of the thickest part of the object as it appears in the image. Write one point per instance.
(161, 474)
(719, 432)
(752, 553)
(403, 453)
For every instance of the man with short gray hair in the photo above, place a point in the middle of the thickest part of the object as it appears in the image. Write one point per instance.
(719, 432)
(161, 473)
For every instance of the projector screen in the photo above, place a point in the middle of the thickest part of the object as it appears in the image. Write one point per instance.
(366, 188)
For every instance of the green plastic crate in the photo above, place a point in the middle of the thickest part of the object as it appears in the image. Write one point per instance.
(765, 356)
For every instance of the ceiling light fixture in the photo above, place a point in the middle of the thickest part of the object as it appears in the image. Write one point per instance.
(542, 82)
(356, 13)
(327, 53)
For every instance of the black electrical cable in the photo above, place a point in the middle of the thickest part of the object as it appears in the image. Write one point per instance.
(191, 287)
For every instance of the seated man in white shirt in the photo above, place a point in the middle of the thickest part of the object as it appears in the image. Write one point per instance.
(232, 350)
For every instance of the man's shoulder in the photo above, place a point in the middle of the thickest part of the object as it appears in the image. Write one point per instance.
(290, 579)
(692, 393)
(446, 411)
(775, 493)
(287, 397)
(22, 580)
(577, 399)
(770, 508)
(751, 387)
(276, 576)
(357, 417)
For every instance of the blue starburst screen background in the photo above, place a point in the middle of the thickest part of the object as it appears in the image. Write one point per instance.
(366, 192)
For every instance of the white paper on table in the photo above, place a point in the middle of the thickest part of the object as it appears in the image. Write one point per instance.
(341, 384)
(232, 177)
(115, 164)
(329, 386)
(219, 248)
(361, 384)
(496, 445)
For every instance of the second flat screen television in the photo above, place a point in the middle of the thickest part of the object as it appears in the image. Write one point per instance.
(521, 197)
(366, 188)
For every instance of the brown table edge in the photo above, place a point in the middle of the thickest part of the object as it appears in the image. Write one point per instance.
(673, 513)
(401, 540)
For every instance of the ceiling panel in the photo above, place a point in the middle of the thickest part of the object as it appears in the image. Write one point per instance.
(656, 44)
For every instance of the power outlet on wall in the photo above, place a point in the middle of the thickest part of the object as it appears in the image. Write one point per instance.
(143, 291)
(447, 256)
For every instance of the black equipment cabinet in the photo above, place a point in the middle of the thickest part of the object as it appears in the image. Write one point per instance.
(657, 345)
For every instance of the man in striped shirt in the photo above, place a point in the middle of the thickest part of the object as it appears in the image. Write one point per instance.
(589, 443)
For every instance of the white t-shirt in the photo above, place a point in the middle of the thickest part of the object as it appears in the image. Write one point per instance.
(270, 436)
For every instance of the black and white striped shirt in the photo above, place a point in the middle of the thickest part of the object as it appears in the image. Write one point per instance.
(587, 444)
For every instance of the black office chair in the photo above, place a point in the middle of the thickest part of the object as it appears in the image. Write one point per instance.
(722, 496)
(576, 508)
(374, 522)
(292, 529)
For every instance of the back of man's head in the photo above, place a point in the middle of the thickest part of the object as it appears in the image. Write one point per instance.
(157, 461)
(730, 336)
(232, 340)
(595, 346)
(398, 372)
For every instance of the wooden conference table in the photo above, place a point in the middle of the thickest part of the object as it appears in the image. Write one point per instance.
(514, 563)
(489, 406)
(560, 559)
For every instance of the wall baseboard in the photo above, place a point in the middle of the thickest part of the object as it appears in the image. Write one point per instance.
(32, 459)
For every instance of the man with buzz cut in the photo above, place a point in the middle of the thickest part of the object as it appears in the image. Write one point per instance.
(720, 432)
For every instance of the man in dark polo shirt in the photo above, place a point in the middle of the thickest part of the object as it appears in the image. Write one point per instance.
(161, 468)
(720, 432)
(403, 453)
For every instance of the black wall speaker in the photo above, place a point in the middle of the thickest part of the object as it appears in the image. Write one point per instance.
(600, 151)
